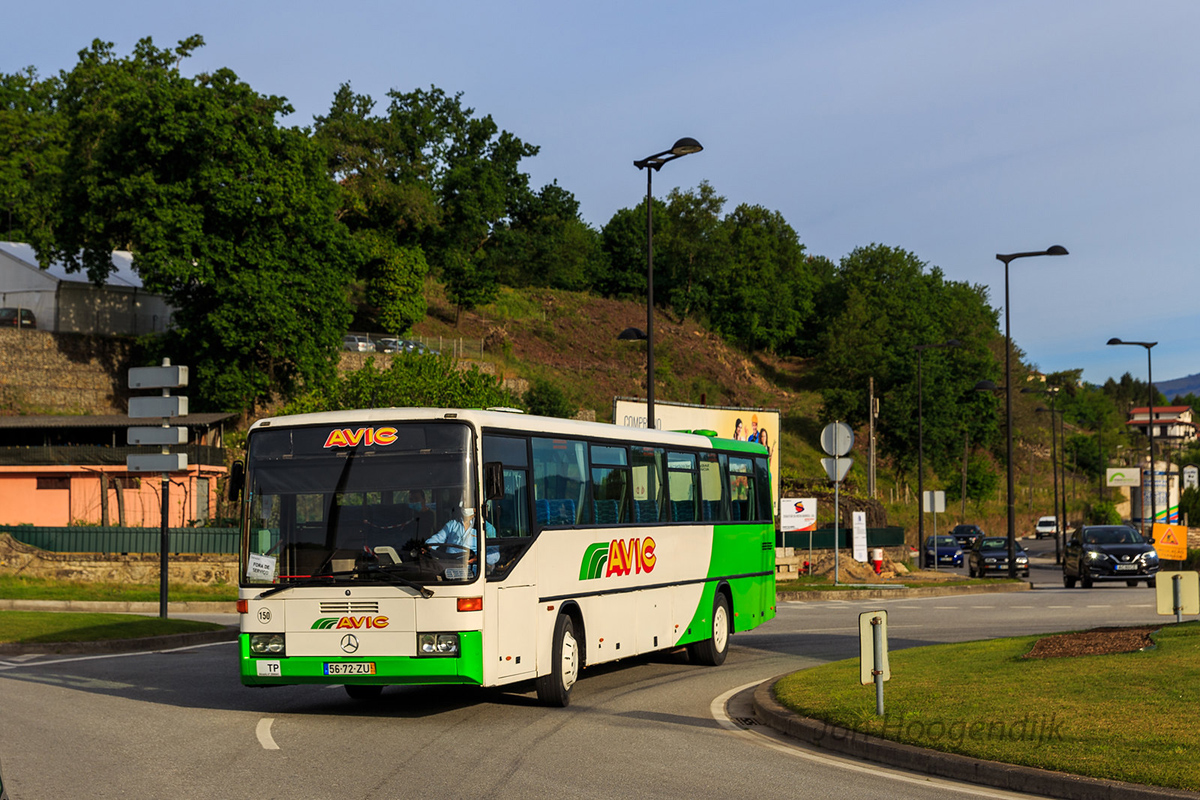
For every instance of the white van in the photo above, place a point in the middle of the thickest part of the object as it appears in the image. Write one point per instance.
(1046, 526)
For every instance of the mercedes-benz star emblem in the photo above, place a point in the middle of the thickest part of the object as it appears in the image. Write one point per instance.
(350, 643)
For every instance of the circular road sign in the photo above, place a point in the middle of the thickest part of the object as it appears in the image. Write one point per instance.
(837, 438)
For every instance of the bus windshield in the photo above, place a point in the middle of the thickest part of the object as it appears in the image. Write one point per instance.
(392, 503)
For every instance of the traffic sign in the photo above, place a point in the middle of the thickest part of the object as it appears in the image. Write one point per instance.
(157, 462)
(162, 435)
(836, 468)
(1170, 541)
(837, 438)
(165, 377)
(155, 406)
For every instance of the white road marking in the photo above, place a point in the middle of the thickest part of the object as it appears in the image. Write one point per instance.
(8, 665)
(717, 709)
(263, 732)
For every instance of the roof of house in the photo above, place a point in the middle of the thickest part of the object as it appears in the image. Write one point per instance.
(123, 273)
(1161, 409)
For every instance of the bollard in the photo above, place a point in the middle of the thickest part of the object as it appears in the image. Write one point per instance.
(877, 557)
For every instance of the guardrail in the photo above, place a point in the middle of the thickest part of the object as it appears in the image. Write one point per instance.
(124, 540)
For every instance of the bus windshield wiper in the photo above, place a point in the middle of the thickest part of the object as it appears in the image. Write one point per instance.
(386, 572)
(331, 577)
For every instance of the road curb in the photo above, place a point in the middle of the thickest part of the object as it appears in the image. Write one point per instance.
(148, 643)
(901, 592)
(947, 765)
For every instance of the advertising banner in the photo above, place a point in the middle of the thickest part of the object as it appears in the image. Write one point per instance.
(798, 514)
(744, 424)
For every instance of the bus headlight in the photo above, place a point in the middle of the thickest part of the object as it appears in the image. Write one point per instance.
(437, 644)
(267, 644)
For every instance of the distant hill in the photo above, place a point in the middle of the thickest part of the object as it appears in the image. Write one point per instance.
(1179, 386)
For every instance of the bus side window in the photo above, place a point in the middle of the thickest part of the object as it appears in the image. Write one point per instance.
(648, 492)
(610, 484)
(762, 474)
(681, 487)
(742, 504)
(560, 482)
(712, 487)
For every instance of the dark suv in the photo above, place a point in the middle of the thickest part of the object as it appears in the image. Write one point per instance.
(1109, 553)
(965, 535)
(17, 318)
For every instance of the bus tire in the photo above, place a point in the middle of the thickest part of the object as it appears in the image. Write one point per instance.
(711, 652)
(554, 689)
(358, 691)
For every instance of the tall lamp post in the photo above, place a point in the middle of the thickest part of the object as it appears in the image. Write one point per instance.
(1060, 522)
(1150, 428)
(920, 348)
(1056, 250)
(652, 164)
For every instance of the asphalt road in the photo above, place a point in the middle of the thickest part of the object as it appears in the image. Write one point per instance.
(179, 724)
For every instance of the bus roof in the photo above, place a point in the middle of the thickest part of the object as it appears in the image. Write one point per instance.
(508, 420)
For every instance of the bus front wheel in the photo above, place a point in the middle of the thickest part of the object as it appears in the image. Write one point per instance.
(711, 651)
(554, 688)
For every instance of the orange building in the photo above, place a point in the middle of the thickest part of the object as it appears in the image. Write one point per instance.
(59, 471)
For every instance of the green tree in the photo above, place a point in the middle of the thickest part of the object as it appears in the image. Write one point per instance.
(228, 215)
(547, 400)
(31, 153)
(546, 243)
(691, 260)
(396, 281)
(766, 292)
(888, 305)
(409, 381)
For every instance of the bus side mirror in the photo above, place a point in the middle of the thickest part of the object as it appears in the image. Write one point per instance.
(237, 475)
(493, 480)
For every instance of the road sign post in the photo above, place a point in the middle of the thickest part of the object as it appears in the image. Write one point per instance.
(166, 377)
(837, 439)
(873, 651)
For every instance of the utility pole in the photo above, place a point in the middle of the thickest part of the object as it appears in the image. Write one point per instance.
(873, 413)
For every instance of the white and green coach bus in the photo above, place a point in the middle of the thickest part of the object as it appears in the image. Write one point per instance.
(486, 548)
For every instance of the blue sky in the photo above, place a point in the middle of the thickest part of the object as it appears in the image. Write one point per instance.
(955, 130)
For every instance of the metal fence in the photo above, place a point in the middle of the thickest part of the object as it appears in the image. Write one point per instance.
(822, 538)
(125, 540)
(73, 455)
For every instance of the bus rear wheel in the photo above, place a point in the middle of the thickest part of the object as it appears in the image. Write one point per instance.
(554, 689)
(711, 652)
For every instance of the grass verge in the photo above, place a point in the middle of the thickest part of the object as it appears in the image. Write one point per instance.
(18, 587)
(1125, 717)
(36, 627)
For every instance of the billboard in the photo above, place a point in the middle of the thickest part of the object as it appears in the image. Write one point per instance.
(745, 424)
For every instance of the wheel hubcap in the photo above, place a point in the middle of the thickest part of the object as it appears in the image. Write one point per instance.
(570, 660)
(720, 628)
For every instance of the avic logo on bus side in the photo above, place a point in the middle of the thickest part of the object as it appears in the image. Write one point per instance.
(327, 623)
(618, 557)
(345, 437)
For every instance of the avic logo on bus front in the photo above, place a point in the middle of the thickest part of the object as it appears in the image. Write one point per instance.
(618, 557)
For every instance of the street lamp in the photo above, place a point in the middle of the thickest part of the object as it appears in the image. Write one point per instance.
(1150, 429)
(654, 163)
(1060, 523)
(1056, 250)
(920, 348)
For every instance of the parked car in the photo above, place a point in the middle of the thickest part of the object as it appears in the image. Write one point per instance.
(990, 554)
(1109, 553)
(390, 345)
(9, 318)
(948, 553)
(966, 534)
(358, 344)
(1046, 526)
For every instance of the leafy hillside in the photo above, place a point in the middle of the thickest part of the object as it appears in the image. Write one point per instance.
(570, 340)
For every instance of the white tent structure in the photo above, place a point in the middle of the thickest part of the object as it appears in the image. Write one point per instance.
(69, 303)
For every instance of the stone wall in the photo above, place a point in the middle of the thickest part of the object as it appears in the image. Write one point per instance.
(63, 373)
(17, 558)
